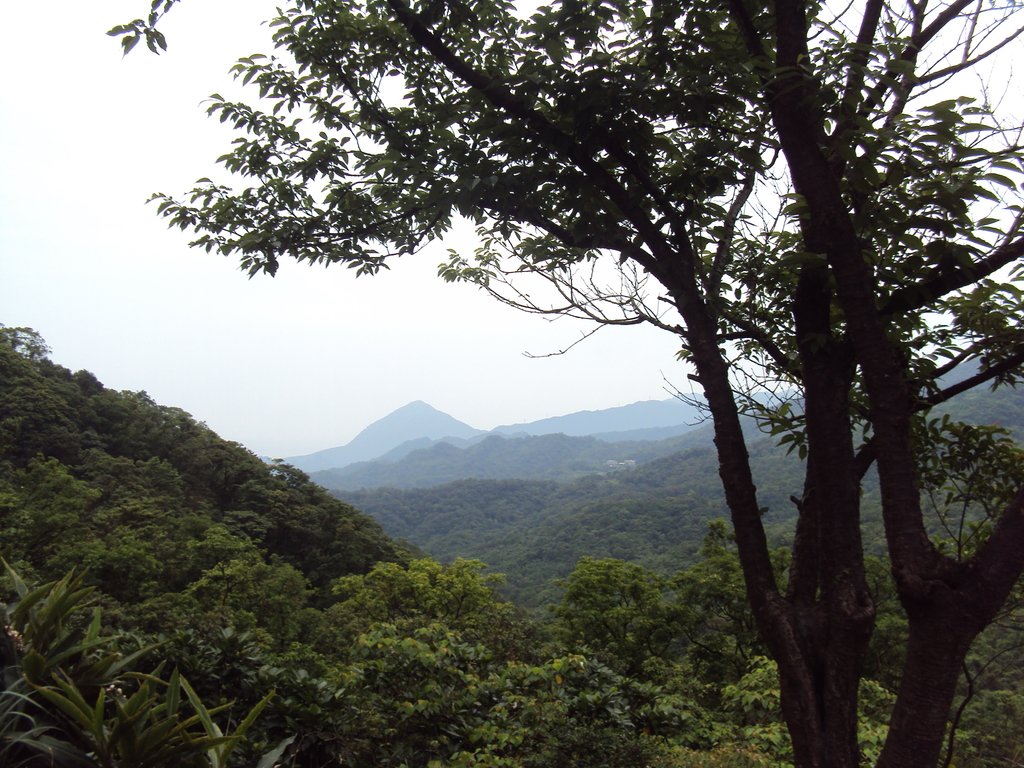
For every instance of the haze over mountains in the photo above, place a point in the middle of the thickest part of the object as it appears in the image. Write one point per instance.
(419, 426)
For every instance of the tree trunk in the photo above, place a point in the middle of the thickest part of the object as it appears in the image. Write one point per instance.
(935, 652)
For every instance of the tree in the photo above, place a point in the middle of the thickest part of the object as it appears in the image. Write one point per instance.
(820, 202)
(719, 627)
(619, 610)
(459, 596)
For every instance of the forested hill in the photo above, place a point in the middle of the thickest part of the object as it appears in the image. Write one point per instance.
(534, 532)
(147, 499)
(165, 583)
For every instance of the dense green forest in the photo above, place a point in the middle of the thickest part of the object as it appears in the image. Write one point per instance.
(172, 600)
(534, 531)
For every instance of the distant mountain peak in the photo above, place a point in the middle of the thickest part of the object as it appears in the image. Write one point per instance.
(416, 406)
(412, 421)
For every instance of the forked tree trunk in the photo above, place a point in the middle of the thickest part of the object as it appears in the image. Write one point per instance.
(819, 698)
(819, 631)
(946, 612)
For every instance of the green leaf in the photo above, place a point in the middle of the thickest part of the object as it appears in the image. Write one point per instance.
(270, 759)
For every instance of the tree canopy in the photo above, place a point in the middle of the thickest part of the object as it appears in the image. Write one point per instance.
(820, 202)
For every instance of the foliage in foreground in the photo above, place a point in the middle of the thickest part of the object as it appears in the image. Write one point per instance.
(413, 691)
(72, 698)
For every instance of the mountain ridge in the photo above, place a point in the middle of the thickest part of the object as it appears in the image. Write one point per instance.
(418, 426)
(556, 456)
(639, 415)
(534, 529)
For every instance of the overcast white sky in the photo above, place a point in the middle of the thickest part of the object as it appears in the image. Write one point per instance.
(287, 365)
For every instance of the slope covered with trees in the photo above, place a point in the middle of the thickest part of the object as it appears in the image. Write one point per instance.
(653, 514)
(219, 586)
(146, 498)
(534, 532)
(172, 601)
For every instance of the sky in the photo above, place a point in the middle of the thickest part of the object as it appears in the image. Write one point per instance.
(286, 365)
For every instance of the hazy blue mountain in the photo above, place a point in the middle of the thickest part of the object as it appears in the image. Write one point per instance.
(419, 426)
(647, 414)
(414, 421)
(649, 433)
(425, 443)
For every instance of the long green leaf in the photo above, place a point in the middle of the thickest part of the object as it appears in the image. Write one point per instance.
(239, 732)
(19, 585)
(212, 729)
(69, 701)
(174, 693)
(269, 760)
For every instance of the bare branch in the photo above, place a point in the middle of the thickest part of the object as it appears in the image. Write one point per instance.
(583, 337)
(966, 64)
